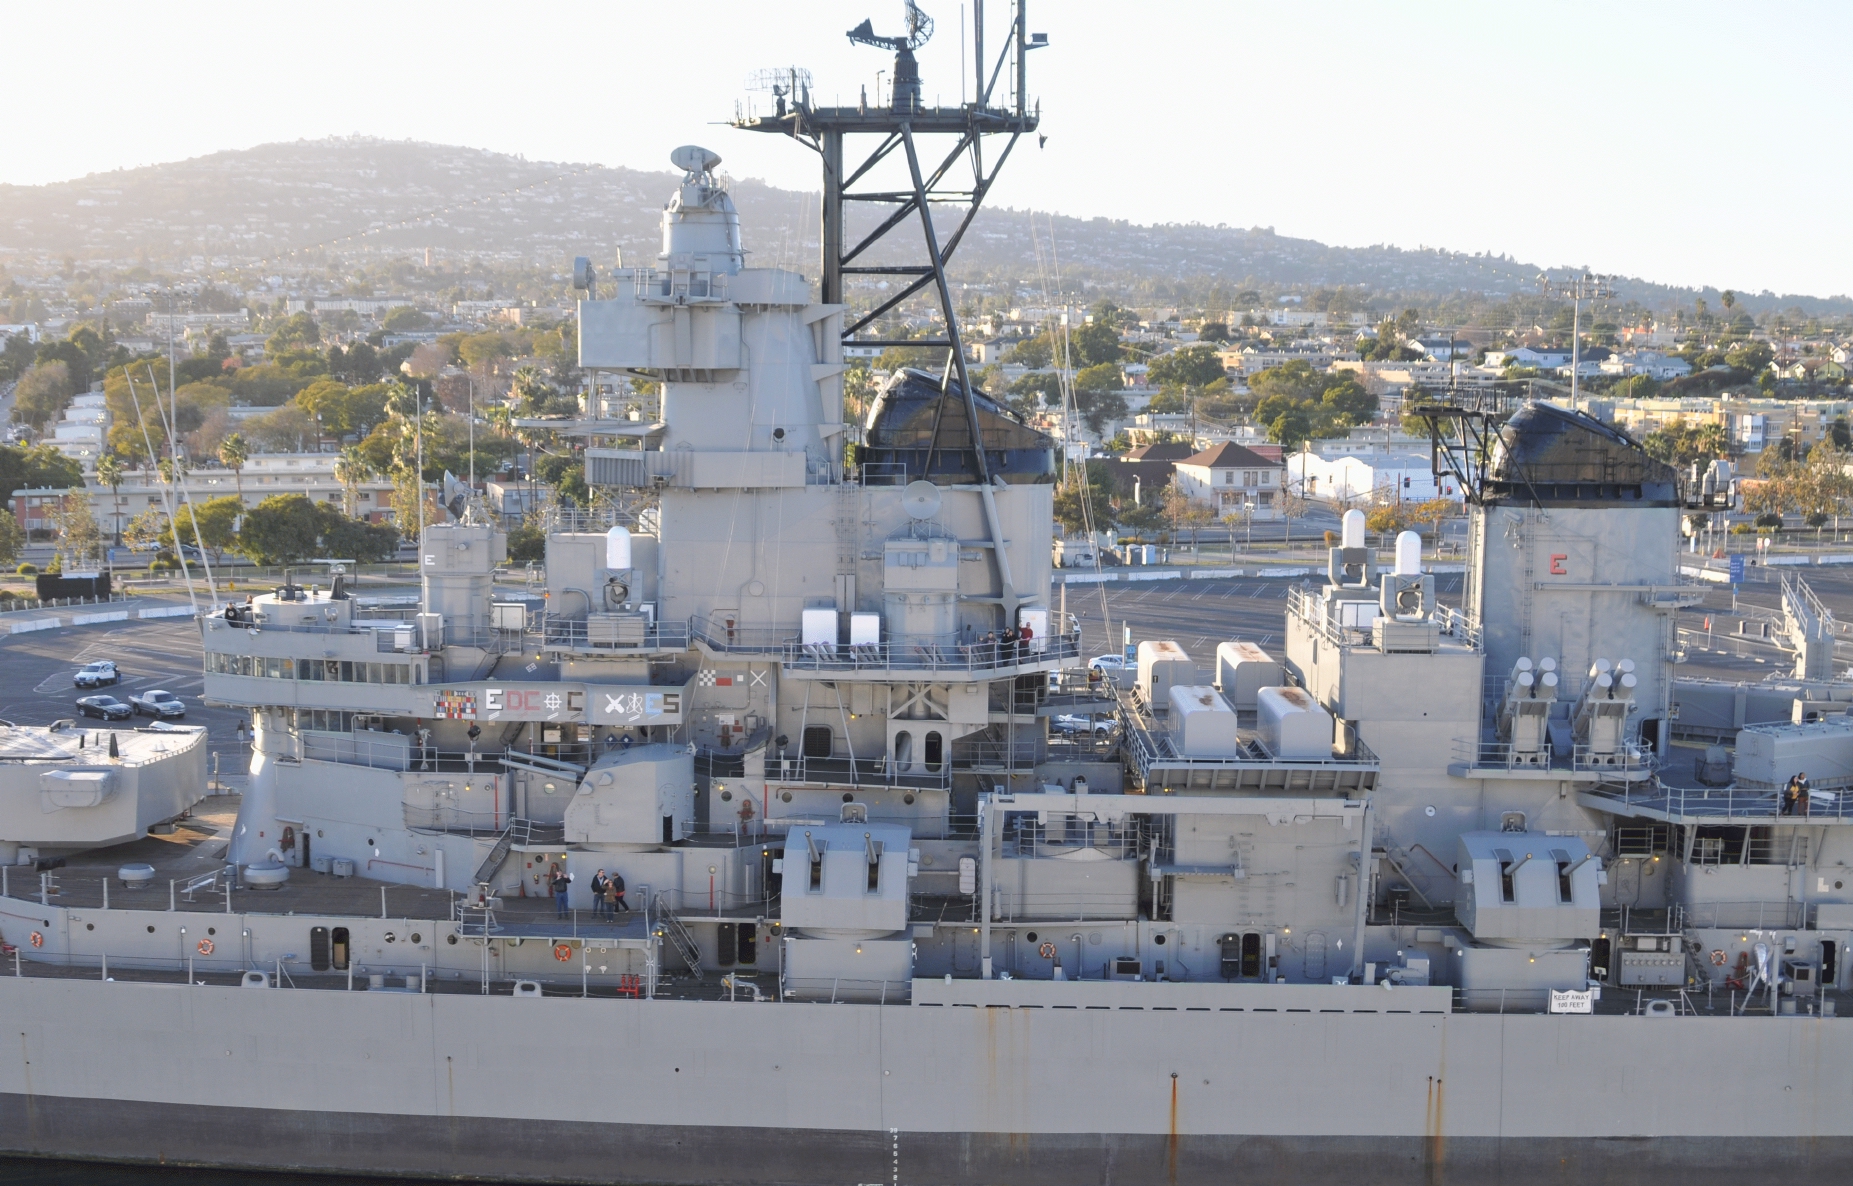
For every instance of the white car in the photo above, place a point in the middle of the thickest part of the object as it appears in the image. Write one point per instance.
(1078, 723)
(1108, 662)
(95, 675)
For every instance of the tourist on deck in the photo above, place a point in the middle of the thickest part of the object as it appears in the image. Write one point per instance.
(562, 882)
(599, 884)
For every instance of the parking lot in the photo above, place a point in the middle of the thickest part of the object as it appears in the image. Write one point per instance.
(36, 688)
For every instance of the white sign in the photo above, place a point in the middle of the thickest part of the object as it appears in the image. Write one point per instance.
(1573, 1001)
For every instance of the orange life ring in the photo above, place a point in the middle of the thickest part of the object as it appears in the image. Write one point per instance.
(1046, 951)
(204, 947)
(562, 951)
(1718, 957)
(38, 940)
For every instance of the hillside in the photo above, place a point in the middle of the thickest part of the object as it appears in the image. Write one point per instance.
(279, 207)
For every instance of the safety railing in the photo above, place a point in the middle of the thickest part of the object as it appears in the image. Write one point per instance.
(1734, 802)
(1149, 745)
(846, 771)
(1628, 759)
(395, 752)
(577, 634)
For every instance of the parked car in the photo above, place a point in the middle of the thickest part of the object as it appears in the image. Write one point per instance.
(1108, 662)
(107, 707)
(95, 675)
(157, 703)
(1080, 723)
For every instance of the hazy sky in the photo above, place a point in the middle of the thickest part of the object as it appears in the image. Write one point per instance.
(1690, 143)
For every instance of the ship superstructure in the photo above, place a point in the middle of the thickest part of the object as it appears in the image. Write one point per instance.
(1426, 889)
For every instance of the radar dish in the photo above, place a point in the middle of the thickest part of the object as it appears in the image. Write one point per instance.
(921, 499)
(693, 158)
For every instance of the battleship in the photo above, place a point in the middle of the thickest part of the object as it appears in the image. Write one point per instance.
(1423, 893)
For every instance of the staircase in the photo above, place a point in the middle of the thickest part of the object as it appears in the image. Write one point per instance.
(518, 831)
(679, 936)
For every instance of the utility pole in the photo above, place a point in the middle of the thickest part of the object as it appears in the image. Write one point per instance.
(1587, 287)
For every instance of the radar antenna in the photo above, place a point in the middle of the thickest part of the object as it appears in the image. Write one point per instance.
(906, 70)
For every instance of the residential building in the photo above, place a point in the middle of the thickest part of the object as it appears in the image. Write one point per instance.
(1349, 479)
(1232, 480)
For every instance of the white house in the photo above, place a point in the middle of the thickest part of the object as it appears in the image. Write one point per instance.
(1646, 362)
(1544, 358)
(1348, 477)
(1232, 480)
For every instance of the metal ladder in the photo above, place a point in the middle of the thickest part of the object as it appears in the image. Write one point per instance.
(518, 831)
(679, 936)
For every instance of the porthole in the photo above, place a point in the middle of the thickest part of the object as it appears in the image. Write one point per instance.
(318, 833)
(417, 938)
(848, 798)
(784, 796)
(90, 926)
(908, 798)
(151, 930)
(451, 939)
(547, 788)
(1030, 938)
(212, 930)
(1159, 940)
(369, 842)
(727, 796)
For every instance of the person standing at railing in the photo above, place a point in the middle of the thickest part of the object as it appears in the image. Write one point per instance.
(561, 882)
(1795, 796)
(600, 883)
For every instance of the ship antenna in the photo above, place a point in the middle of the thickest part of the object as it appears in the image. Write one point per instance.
(905, 123)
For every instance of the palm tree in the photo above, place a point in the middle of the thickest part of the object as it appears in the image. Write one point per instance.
(351, 469)
(234, 451)
(111, 474)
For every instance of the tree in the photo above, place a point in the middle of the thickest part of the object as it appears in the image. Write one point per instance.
(282, 529)
(1753, 357)
(1680, 443)
(1093, 344)
(1387, 519)
(110, 473)
(42, 393)
(401, 318)
(234, 451)
(351, 469)
(12, 538)
(1189, 366)
(77, 526)
(1097, 395)
(36, 467)
(217, 520)
(1183, 511)
(1034, 353)
(1085, 498)
(1431, 513)
(148, 529)
(350, 539)
(527, 545)
(298, 333)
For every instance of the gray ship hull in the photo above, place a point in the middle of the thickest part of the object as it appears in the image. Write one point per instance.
(565, 1090)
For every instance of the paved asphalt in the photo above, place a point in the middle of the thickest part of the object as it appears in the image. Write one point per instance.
(36, 670)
